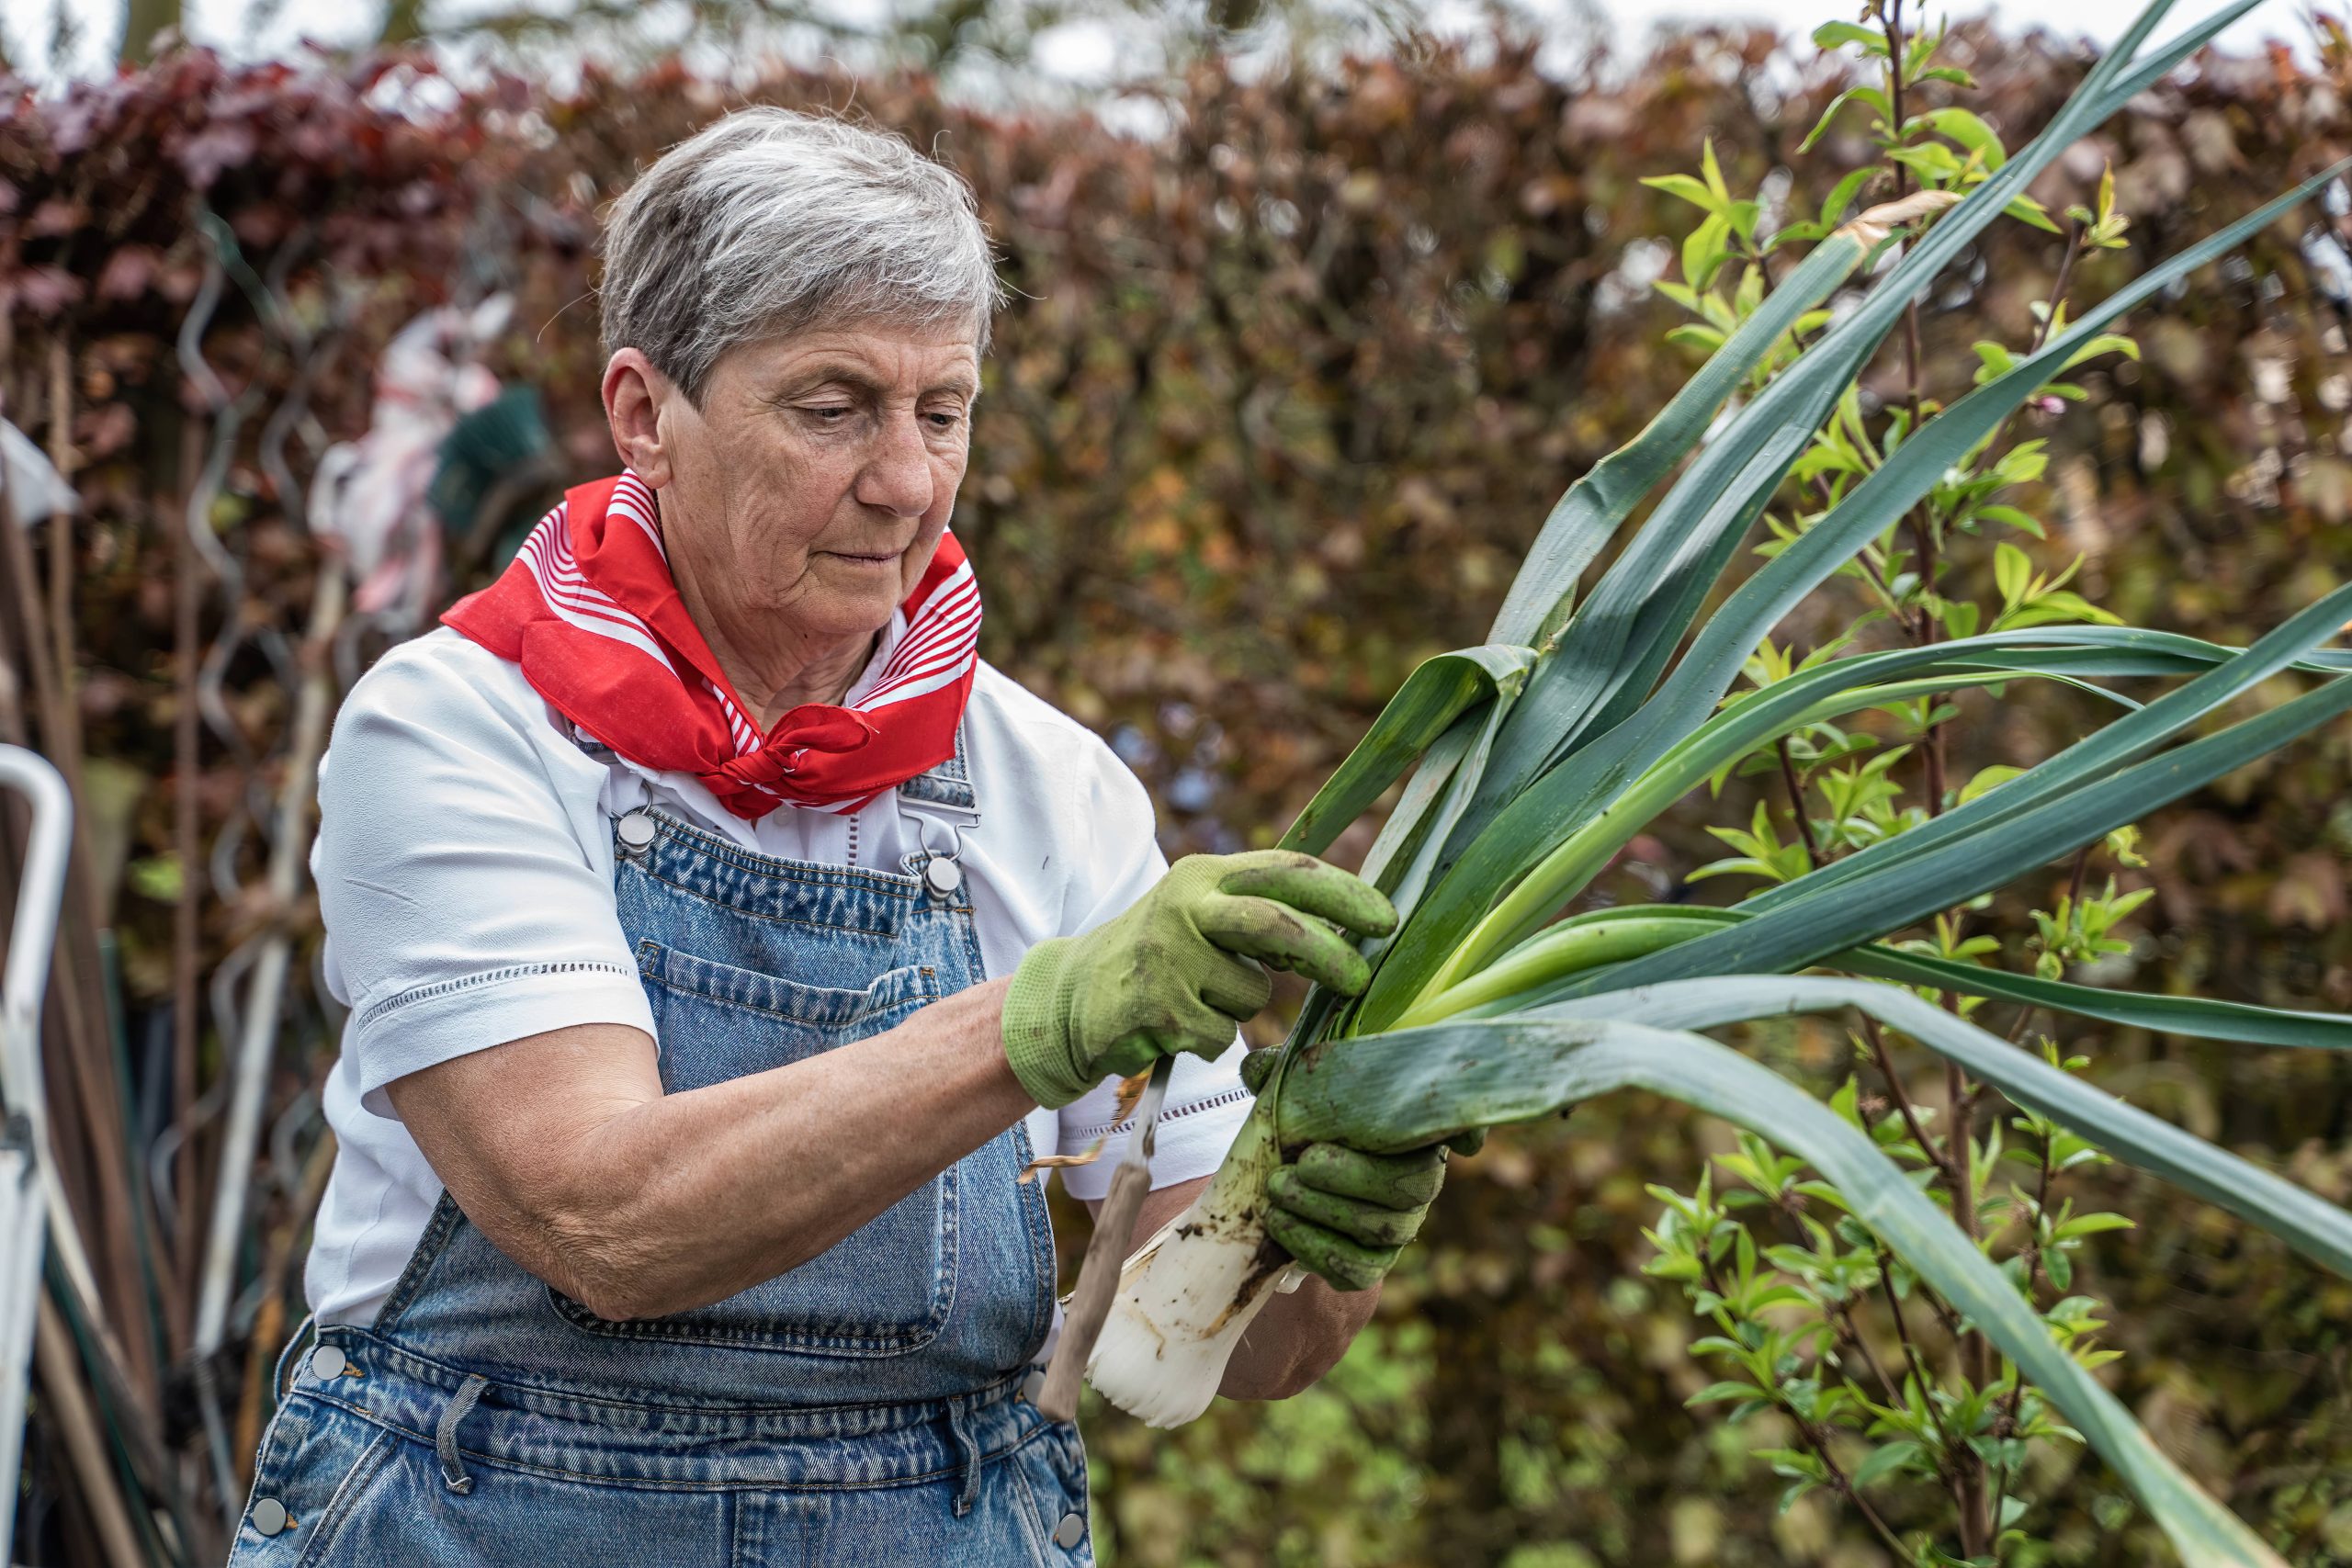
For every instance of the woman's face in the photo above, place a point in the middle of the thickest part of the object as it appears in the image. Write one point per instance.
(811, 489)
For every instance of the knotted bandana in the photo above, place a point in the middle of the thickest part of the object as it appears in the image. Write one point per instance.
(589, 612)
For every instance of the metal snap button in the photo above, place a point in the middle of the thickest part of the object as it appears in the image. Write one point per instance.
(1032, 1386)
(270, 1517)
(1071, 1531)
(944, 875)
(327, 1363)
(637, 830)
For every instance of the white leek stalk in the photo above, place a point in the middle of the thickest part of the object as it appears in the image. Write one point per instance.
(1187, 1295)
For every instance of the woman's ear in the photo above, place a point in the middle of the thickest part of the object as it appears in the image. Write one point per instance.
(635, 396)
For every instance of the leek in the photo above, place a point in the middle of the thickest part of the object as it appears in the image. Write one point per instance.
(1544, 752)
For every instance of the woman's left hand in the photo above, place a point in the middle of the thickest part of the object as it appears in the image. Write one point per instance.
(1346, 1214)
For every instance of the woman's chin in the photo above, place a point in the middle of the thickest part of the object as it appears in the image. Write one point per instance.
(841, 613)
(862, 580)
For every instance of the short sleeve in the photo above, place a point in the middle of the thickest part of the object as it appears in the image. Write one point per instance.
(463, 903)
(1206, 1103)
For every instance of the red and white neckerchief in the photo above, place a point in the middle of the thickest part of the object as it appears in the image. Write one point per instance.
(589, 612)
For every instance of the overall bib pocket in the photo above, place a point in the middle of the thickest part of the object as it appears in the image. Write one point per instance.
(885, 1289)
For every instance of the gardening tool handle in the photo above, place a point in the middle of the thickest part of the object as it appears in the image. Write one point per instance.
(1098, 1282)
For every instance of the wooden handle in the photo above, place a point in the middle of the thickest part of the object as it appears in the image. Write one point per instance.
(1098, 1285)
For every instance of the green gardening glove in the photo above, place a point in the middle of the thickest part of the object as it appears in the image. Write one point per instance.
(1346, 1214)
(1178, 970)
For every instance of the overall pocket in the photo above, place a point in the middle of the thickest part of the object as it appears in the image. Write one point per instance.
(884, 1290)
(318, 1460)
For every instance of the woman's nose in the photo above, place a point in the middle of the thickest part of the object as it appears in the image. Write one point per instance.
(898, 475)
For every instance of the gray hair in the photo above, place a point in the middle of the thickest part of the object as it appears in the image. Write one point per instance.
(768, 223)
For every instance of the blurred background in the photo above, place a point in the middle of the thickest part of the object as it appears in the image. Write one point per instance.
(1319, 307)
(1067, 52)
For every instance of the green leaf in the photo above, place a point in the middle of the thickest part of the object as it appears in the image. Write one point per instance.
(1841, 195)
(2090, 1224)
(1704, 250)
(1897, 893)
(1417, 1086)
(1712, 173)
(2021, 520)
(1924, 43)
(1887, 1460)
(1975, 137)
(1688, 188)
(160, 877)
(2106, 342)
(2312, 1226)
(1823, 693)
(1431, 698)
(1934, 164)
(1830, 34)
(1988, 778)
(1997, 357)
(2012, 572)
(1690, 334)
(1528, 976)
(2028, 211)
(2097, 755)
(1870, 97)
(1587, 809)
(1722, 1390)
(1399, 861)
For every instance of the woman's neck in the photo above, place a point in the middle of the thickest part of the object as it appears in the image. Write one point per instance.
(826, 677)
(778, 672)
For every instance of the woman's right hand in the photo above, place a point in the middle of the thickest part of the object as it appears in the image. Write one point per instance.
(1179, 971)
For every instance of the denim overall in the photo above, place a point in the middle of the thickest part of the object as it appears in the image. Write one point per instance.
(864, 1408)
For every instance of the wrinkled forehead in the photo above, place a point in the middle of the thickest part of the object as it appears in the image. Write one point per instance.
(881, 357)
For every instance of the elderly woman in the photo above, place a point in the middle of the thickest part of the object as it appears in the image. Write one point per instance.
(724, 940)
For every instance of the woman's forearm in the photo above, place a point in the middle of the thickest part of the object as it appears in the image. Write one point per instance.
(639, 1203)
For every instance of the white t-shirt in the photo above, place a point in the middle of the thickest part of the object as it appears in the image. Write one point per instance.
(464, 863)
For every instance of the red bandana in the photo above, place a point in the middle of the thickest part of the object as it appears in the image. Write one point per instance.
(589, 611)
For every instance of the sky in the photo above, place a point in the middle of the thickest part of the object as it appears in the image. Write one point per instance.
(1080, 53)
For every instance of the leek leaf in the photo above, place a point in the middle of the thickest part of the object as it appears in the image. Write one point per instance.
(2312, 1226)
(1416, 1086)
(1803, 930)
(1529, 978)
(1431, 698)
